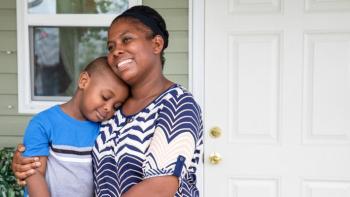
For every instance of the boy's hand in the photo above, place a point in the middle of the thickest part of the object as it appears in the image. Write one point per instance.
(23, 167)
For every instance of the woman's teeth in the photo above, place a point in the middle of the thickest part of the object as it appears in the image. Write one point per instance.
(123, 63)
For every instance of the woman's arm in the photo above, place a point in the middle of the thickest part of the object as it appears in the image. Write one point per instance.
(162, 186)
(23, 167)
(37, 186)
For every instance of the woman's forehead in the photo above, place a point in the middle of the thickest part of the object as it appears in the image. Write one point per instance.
(128, 24)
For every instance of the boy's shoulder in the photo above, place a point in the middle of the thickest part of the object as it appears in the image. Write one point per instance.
(46, 114)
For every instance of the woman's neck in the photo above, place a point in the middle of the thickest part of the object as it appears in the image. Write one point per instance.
(151, 84)
(144, 93)
(150, 88)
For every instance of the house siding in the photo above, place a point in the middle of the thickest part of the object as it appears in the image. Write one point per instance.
(13, 124)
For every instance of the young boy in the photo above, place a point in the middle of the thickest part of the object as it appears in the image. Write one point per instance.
(63, 136)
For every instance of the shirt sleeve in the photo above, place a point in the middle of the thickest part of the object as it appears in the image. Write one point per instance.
(36, 138)
(175, 140)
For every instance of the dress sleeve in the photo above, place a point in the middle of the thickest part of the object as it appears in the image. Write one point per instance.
(177, 135)
(36, 138)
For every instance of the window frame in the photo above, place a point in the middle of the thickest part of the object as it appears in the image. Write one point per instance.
(24, 22)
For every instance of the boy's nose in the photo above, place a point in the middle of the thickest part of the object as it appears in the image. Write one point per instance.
(107, 108)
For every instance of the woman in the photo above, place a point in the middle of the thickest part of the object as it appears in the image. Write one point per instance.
(151, 147)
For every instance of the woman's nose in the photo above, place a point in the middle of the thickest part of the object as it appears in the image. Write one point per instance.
(118, 50)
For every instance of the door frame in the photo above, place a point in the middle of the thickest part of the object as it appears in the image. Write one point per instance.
(196, 49)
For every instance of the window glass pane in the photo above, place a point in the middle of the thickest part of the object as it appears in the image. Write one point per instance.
(57, 56)
(77, 6)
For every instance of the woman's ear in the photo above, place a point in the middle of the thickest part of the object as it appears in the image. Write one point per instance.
(84, 80)
(158, 44)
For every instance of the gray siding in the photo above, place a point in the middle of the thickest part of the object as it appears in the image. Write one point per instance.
(175, 14)
(13, 124)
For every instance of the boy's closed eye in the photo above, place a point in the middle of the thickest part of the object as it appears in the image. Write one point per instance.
(105, 98)
(106, 95)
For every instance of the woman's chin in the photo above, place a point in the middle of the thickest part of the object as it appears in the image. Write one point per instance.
(128, 77)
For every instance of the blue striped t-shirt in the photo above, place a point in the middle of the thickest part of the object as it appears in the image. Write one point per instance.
(67, 143)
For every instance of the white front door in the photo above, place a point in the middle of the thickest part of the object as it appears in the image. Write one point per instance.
(277, 84)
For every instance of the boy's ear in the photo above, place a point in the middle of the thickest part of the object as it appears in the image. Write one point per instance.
(84, 80)
(158, 44)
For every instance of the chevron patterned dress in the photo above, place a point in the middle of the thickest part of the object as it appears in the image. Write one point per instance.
(165, 138)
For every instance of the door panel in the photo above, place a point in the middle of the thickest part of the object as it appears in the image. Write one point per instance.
(277, 84)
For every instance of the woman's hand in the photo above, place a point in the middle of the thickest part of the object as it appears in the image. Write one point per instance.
(23, 167)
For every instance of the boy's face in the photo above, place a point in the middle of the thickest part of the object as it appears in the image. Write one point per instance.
(102, 93)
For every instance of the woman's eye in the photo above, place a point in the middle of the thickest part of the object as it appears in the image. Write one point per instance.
(126, 39)
(104, 98)
(109, 48)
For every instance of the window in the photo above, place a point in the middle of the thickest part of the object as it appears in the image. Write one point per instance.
(55, 40)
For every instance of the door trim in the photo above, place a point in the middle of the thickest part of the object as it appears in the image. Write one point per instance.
(196, 63)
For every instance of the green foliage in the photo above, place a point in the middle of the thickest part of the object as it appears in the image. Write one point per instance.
(8, 183)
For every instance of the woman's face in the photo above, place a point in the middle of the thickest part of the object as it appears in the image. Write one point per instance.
(132, 53)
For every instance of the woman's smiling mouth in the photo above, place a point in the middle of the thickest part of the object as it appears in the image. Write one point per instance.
(123, 64)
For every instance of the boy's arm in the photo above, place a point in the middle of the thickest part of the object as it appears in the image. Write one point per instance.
(37, 186)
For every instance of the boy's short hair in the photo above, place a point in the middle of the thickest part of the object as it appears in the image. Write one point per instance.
(97, 65)
(100, 67)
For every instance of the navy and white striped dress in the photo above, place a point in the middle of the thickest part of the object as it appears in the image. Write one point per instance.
(165, 138)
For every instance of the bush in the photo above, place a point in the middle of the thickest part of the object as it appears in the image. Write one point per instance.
(8, 183)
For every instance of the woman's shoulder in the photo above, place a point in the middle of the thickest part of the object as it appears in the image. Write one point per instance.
(176, 91)
(177, 94)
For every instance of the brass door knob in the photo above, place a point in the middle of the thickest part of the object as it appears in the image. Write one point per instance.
(215, 158)
(215, 132)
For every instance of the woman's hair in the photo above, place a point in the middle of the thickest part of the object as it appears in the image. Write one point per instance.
(151, 19)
